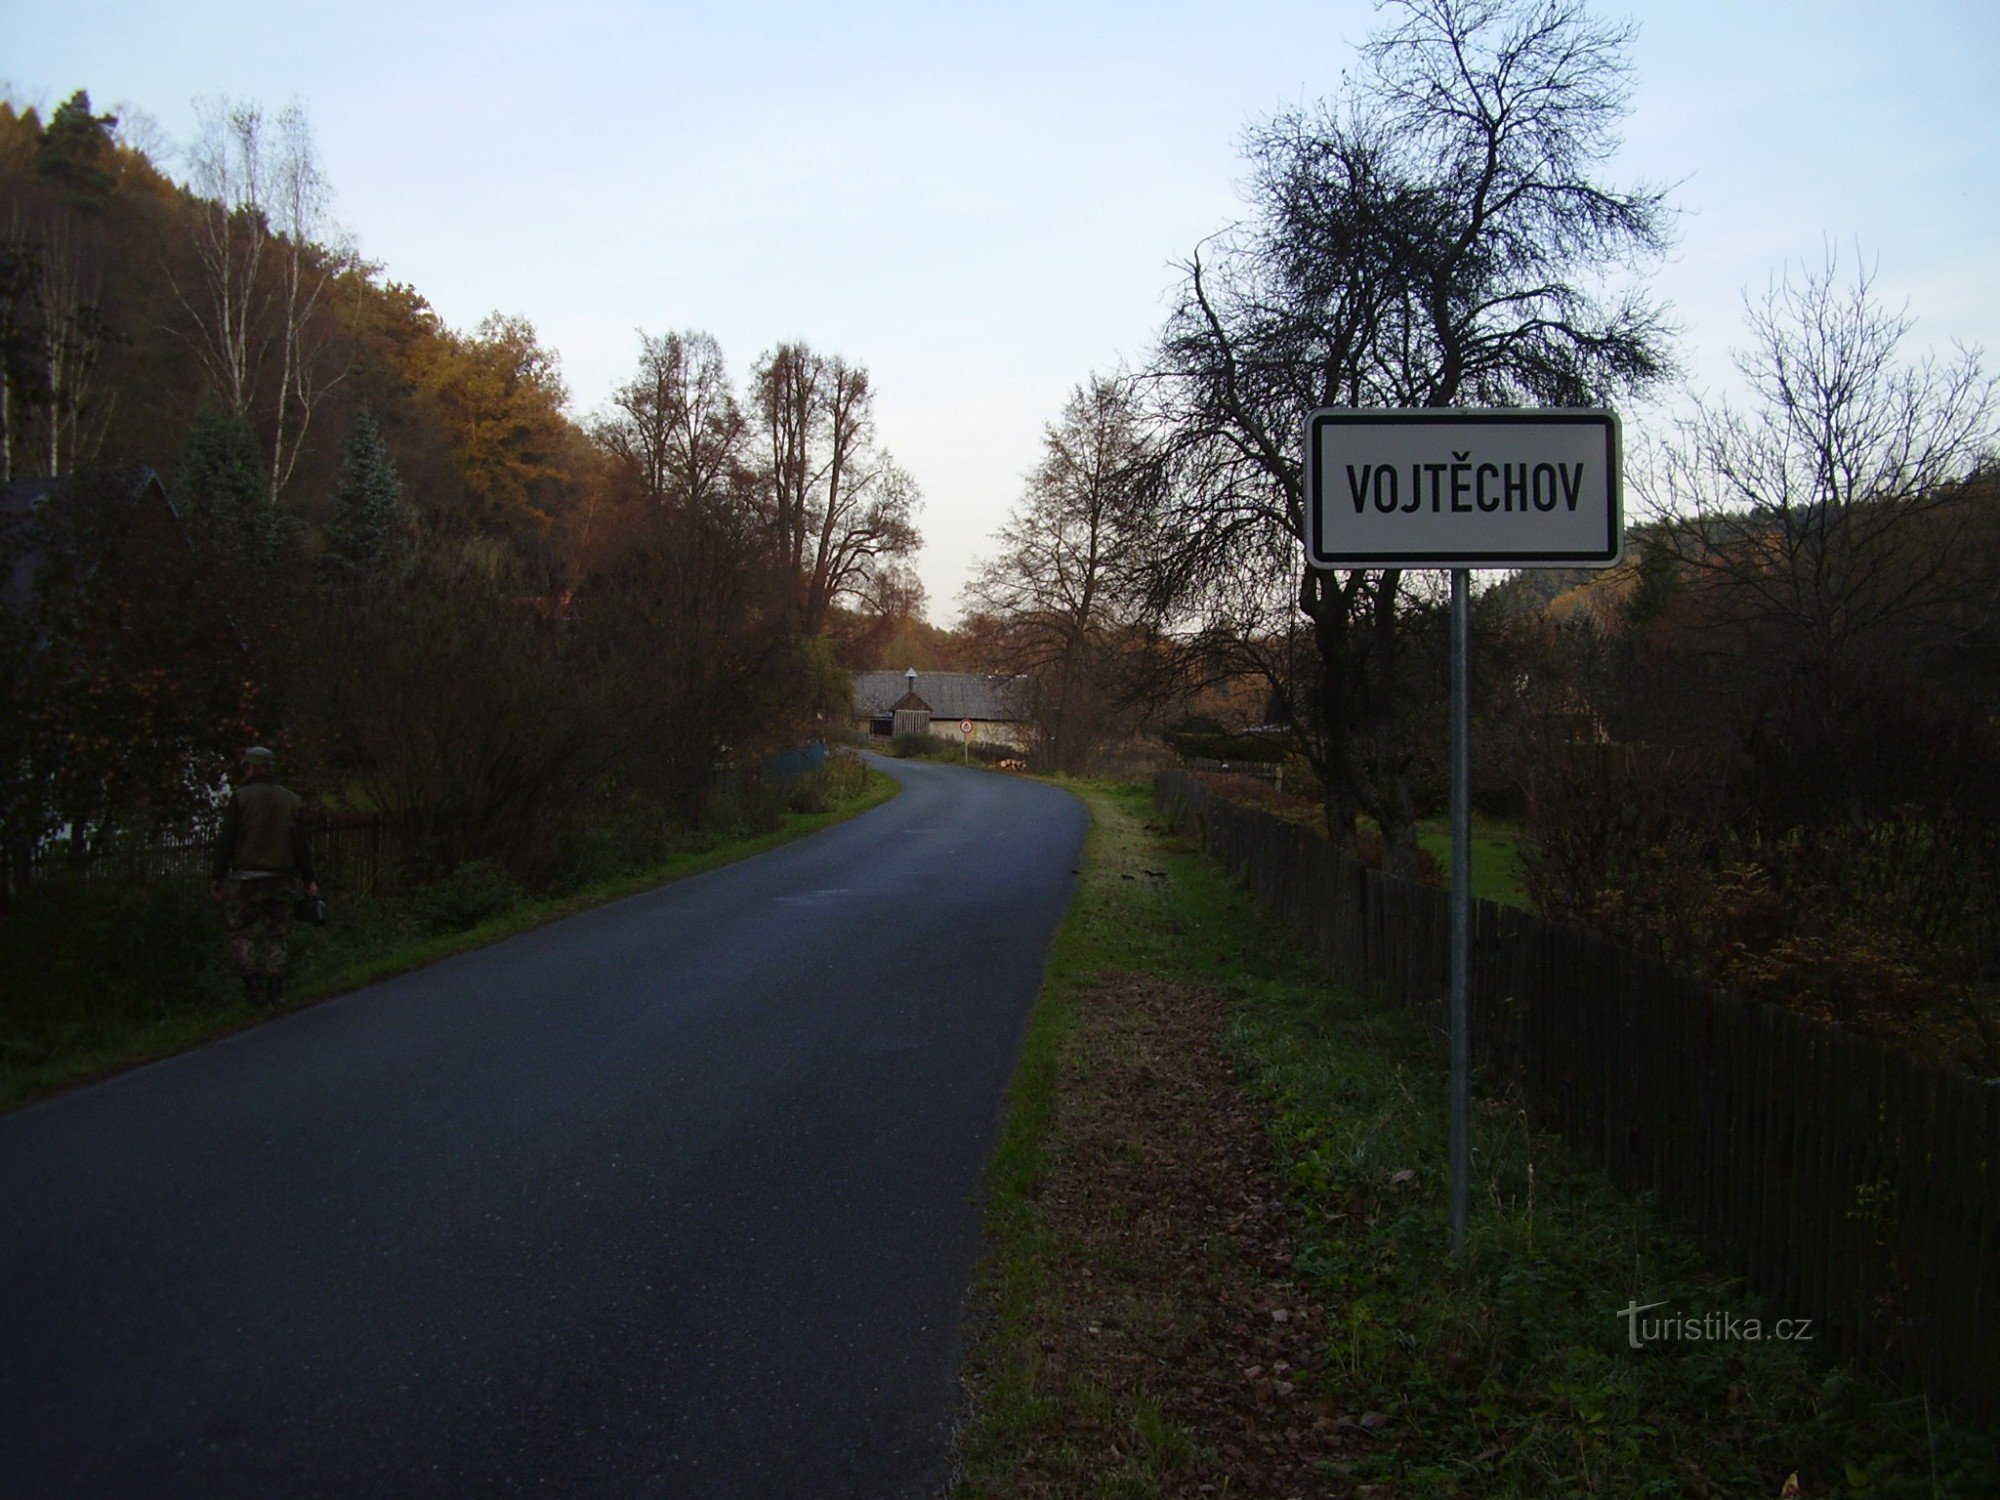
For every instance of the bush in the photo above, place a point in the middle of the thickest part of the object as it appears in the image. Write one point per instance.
(475, 892)
(355, 925)
(456, 712)
(751, 813)
(1496, 793)
(1301, 780)
(1369, 850)
(808, 793)
(921, 747)
(1890, 922)
(843, 778)
(619, 843)
(82, 957)
(846, 775)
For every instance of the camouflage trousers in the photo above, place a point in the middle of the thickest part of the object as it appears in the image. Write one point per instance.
(258, 914)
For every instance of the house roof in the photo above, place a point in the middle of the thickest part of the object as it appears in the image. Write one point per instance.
(24, 536)
(30, 518)
(950, 695)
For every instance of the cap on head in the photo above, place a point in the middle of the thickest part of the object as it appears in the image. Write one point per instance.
(257, 755)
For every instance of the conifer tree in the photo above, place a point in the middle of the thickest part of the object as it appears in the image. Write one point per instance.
(221, 492)
(75, 150)
(368, 506)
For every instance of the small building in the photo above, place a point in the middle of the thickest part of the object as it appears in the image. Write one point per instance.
(941, 703)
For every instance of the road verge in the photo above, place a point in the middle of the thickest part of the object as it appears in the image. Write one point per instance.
(1218, 1222)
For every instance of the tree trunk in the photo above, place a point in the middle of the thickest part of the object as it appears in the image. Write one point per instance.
(1401, 854)
(1353, 785)
(1326, 607)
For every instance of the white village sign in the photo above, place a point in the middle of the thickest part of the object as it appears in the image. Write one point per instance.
(1462, 490)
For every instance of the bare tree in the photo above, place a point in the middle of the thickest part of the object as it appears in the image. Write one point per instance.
(52, 337)
(310, 260)
(263, 200)
(1835, 504)
(786, 387)
(1833, 539)
(74, 334)
(688, 642)
(23, 372)
(676, 424)
(227, 170)
(1063, 584)
(840, 508)
(1435, 236)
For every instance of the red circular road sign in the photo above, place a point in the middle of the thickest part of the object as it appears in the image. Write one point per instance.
(965, 726)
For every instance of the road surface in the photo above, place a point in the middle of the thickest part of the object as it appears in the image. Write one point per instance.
(677, 1197)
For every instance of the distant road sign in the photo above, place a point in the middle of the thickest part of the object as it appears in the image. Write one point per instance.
(1463, 489)
(965, 726)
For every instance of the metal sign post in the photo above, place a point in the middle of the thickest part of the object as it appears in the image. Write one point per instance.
(1462, 490)
(1461, 906)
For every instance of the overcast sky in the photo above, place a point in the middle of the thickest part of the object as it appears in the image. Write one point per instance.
(985, 204)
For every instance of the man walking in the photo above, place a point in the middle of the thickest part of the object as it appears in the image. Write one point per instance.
(260, 855)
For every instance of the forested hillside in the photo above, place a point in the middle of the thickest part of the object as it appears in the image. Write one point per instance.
(397, 552)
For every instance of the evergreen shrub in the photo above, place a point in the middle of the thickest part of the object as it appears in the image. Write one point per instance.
(473, 893)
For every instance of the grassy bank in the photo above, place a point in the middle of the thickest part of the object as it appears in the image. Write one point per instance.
(1219, 1220)
(101, 978)
(1497, 872)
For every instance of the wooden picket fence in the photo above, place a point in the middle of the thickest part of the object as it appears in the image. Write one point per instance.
(1848, 1181)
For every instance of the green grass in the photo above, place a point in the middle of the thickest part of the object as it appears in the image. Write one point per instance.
(1497, 873)
(1116, 924)
(1510, 1373)
(1506, 1373)
(106, 1021)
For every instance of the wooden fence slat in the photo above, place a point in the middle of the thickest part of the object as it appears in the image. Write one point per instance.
(1845, 1107)
(1807, 1167)
(1766, 1125)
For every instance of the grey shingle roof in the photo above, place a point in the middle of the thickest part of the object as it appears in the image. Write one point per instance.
(951, 695)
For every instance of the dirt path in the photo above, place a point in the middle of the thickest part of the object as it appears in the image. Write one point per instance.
(1174, 1316)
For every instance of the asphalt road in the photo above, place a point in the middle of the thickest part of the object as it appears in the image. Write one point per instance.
(677, 1197)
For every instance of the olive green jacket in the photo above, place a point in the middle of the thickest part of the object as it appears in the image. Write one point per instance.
(264, 831)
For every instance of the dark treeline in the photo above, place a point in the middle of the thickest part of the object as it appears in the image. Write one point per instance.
(1765, 744)
(1768, 745)
(383, 545)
